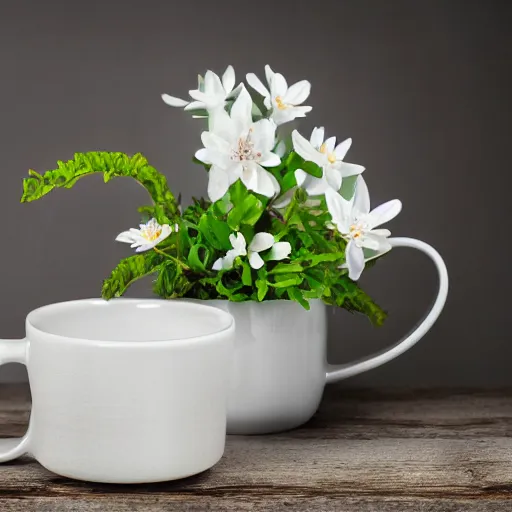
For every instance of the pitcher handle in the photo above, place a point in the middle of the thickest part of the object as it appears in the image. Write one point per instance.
(14, 351)
(338, 372)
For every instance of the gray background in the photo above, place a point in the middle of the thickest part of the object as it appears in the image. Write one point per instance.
(423, 87)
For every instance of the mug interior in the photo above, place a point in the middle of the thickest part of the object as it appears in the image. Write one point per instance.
(134, 320)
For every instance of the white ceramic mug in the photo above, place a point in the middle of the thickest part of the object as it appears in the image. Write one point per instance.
(126, 391)
(280, 365)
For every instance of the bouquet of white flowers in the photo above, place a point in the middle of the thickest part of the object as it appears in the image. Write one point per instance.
(286, 217)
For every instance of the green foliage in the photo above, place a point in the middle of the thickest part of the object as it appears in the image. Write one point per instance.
(128, 271)
(112, 165)
(182, 263)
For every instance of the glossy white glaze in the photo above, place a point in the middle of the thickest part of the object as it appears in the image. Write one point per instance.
(280, 366)
(126, 391)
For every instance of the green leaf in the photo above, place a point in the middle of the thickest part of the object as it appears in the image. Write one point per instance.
(295, 161)
(230, 292)
(215, 231)
(288, 181)
(128, 271)
(246, 274)
(312, 169)
(247, 208)
(285, 280)
(316, 259)
(284, 268)
(296, 295)
(195, 260)
(112, 165)
(262, 287)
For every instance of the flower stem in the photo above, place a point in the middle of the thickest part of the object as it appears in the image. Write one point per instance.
(176, 260)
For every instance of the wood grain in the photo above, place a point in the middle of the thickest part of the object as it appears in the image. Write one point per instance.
(364, 451)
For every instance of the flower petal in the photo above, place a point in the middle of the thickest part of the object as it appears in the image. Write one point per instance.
(280, 251)
(263, 135)
(255, 260)
(223, 126)
(297, 93)
(333, 177)
(166, 231)
(126, 237)
(146, 247)
(241, 111)
(384, 213)
(317, 137)
(381, 232)
(261, 242)
(280, 149)
(213, 86)
(355, 260)
(213, 141)
(238, 243)
(173, 101)
(217, 265)
(271, 160)
(269, 74)
(347, 169)
(203, 155)
(329, 144)
(361, 197)
(369, 242)
(218, 183)
(195, 105)
(315, 186)
(300, 177)
(304, 148)
(201, 96)
(254, 177)
(342, 149)
(257, 85)
(228, 79)
(374, 242)
(339, 209)
(278, 86)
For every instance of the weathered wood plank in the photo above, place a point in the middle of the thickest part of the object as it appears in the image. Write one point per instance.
(366, 504)
(363, 451)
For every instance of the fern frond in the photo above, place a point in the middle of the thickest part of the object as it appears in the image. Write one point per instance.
(130, 270)
(112, 165)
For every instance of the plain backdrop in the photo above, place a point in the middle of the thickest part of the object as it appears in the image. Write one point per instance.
(423, 87)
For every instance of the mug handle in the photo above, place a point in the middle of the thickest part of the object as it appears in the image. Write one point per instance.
(13, 351)
(338, 372)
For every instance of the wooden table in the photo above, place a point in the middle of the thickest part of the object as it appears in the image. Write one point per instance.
(364, 450)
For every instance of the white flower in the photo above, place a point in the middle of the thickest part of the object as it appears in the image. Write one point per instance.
(239, 249)
(356, 223)
(237, 148)
(284, 101)
(326, 155)
(147, 236)
(211, 94)
(260, 242)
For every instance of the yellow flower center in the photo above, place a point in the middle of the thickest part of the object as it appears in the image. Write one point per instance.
(331, 157)
(280, 104)
(151, 232)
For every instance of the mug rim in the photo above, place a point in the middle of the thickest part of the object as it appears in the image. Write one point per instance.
(228, 319)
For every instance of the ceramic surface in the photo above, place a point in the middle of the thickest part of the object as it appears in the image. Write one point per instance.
(280, 366)
(126, 391)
